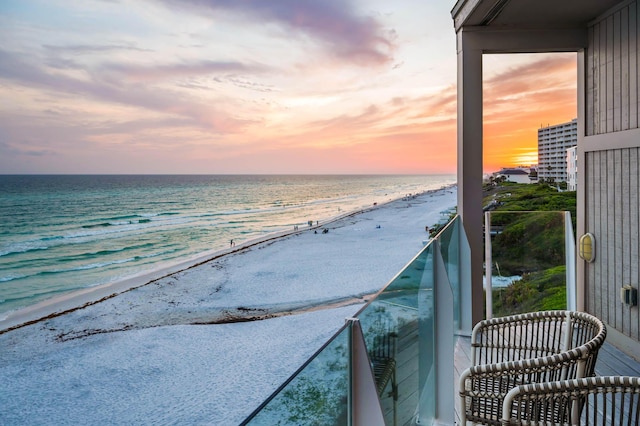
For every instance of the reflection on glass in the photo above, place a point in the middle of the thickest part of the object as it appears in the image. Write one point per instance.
(398, 325)
(528, 262)
(399, 332)
(317, 395)
(449, 239)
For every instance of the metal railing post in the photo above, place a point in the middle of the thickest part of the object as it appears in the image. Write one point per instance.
(363, 404)
(570, 259)
(488, 265)
(445, 343)
(464, 268)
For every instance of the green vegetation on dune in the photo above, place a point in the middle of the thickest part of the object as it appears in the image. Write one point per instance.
(530, 245)
(521, 197)
(536, 291)
(529, 242)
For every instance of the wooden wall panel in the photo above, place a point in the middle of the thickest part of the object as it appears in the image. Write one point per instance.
(616, 73)
(593, 273)
(589, 89)
(625, 223)
(634, 237)
(633, 66)
(604, 233)
(612, 63)
(616, 221)
(610, 224)
(623, 46)
(591, 205)
(611, 77)
(612, 203)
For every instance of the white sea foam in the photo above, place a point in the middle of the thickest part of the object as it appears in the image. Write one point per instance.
(194, 213)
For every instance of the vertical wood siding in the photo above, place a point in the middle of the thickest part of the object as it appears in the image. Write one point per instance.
(634, 100)
(613, 205)
(612, 176)
(611, 103)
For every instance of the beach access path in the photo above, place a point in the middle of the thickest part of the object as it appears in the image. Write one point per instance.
(205, 344)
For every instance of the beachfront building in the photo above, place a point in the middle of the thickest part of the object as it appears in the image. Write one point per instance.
(572, 168)
(605, 36)
(553, 142)
(517, 175)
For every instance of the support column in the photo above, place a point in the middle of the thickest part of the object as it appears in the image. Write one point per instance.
(363, 401)
(581, 202)
(470, 159)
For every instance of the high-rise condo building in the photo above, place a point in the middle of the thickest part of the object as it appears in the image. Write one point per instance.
(553, 142)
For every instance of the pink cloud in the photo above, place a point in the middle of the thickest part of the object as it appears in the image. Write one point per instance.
(351, 37)
(193, 68)
(15, 68)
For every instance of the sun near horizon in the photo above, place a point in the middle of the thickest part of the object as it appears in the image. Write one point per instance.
(522, 93)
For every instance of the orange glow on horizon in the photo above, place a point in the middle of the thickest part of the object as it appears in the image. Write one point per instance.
(526, 158)
(521, 99)
(366, 100)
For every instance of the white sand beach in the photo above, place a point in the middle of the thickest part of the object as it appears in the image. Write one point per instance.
(206, 344)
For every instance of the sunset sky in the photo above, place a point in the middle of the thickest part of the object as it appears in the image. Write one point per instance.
(255, 86)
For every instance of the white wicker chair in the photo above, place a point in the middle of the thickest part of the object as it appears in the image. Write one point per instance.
(601, 401)
(521, 349)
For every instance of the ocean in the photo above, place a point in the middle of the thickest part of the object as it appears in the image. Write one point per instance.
(61, 233)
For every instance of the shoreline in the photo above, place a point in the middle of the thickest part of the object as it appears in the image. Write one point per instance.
(80, 299)
(209, 344)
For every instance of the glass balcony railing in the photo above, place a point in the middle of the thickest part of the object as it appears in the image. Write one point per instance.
(393, 362)
(383, 364)
(317, 394)
(531, 257)
(398, 325)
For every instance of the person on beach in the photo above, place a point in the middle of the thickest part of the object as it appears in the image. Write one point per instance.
(232, 243)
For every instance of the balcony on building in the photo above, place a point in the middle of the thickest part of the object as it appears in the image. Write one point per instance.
(396, 362)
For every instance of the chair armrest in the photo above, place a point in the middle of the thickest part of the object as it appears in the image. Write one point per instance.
(482, 388)
(563, 401)
(532, 364)
(509, 338)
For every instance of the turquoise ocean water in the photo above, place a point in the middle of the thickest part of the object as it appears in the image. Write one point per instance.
(66, 232)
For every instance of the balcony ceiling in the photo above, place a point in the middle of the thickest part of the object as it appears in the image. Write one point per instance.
(529, 13)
